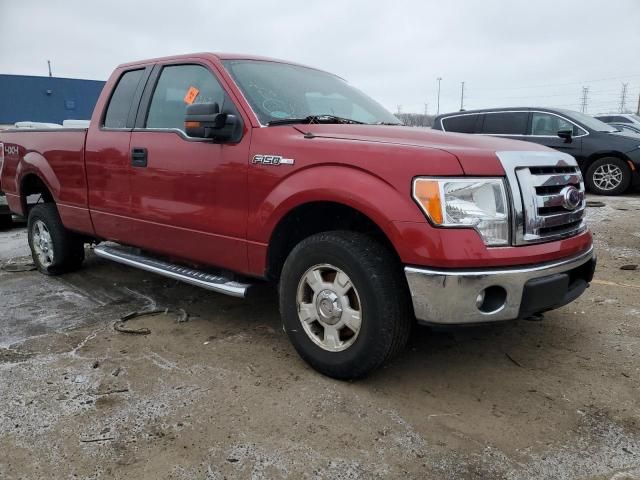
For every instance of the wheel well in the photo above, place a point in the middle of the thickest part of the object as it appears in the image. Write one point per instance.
(311, 218)
(598, 156)
(33, 185)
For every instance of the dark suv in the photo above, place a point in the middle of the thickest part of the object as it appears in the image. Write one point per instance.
(609, 160)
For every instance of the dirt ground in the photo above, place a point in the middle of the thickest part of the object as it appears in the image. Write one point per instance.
(224, 395)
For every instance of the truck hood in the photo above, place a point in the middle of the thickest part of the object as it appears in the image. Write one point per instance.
(476, 153)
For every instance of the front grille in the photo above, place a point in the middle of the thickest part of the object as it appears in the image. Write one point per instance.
(547, 213)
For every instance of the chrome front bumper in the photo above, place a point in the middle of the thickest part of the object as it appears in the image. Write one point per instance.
(478, 296)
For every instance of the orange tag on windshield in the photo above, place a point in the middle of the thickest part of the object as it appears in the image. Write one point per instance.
(191, 95)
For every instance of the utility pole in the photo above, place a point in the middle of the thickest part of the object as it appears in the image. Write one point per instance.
(623, 97)
(426, 109)
(638, 110)
(399, 109)
(462, 97)
(439, 79)
(585, 99)
(49, 65)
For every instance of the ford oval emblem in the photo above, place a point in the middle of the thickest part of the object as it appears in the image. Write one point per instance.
(571, 197)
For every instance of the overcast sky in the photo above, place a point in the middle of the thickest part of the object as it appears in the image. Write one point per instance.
(508, 52)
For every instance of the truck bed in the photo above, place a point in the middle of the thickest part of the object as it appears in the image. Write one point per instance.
(55, 153)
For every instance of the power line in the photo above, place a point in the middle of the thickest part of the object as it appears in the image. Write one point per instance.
(564, 84)
(613, 93)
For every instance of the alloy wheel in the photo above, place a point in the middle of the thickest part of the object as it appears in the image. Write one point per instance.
(329, 307)
(607, 176)
(42, 243)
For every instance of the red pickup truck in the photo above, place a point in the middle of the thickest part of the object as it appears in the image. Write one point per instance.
(227, 170)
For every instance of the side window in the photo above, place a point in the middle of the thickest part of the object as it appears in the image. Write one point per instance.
(505, 123)
(605, 119)
(545, 124)
(177, 87)
(122, 99)
(461, 123)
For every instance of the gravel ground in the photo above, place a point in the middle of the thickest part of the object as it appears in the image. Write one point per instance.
(224, 395)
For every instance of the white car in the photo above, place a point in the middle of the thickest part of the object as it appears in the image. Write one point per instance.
(630, 118)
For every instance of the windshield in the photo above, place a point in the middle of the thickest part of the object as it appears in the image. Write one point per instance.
(589, 121)
(279, 91)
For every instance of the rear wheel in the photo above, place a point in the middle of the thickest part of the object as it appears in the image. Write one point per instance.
(344, 303)
(6, 221)
(54, 249)
(608, 176)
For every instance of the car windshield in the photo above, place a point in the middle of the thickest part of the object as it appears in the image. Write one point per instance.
(589, 121)
(280, 91)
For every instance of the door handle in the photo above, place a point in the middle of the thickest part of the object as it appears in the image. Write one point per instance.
(139, 157)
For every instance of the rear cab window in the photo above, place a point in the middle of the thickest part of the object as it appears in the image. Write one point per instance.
(122, 102)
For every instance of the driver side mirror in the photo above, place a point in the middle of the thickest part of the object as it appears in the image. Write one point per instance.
(204, 120)
(567, 135)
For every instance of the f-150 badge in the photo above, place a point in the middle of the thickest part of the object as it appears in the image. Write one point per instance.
(272, 160)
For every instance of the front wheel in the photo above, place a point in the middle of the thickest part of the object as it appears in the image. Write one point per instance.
(608, 176)
(54, 249)
(344, 303)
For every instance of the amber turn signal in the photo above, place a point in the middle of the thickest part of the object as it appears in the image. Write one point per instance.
(427, 193)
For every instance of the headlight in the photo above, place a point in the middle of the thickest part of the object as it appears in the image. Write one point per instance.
(479, 203)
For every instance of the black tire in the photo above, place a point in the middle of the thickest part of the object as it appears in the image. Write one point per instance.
(386, 313)
(67, 247)
(6, 222)
(614, 164)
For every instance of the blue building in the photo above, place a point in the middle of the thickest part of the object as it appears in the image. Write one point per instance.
(46, 99)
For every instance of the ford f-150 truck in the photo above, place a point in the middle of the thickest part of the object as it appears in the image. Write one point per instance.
(227, 170)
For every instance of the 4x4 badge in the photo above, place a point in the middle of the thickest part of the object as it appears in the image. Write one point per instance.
(272, 160)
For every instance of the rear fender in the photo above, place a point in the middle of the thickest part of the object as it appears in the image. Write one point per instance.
(34, 163)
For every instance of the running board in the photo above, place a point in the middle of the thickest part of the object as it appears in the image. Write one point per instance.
(132, 258)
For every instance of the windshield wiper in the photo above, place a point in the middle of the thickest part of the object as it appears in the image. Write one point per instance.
(314, 119)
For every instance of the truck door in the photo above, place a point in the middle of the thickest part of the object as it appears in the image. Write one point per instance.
(107, 154)
(188, 195)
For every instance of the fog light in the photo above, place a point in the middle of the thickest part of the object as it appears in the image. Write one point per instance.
(480, 299)
(491, 299)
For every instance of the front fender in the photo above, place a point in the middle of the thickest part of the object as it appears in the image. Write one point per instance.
(372, 196)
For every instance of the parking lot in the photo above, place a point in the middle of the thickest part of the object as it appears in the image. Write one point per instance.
(225, 395)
